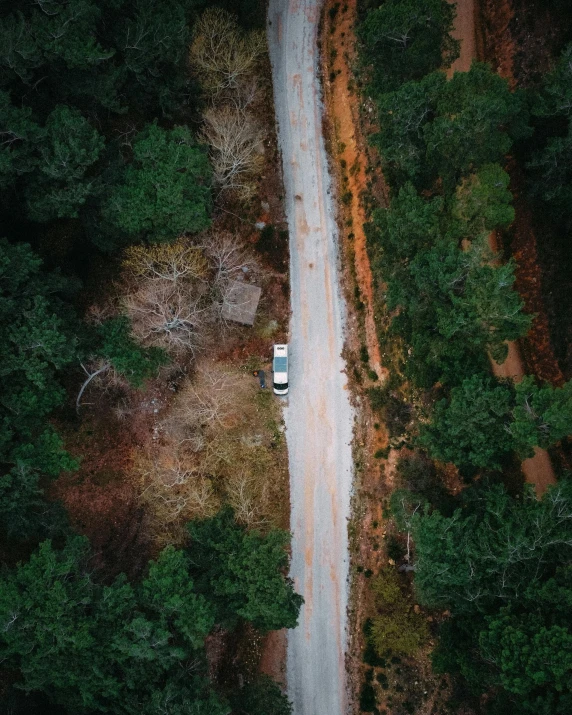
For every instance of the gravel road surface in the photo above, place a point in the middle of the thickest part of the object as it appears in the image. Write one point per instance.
(319, 417)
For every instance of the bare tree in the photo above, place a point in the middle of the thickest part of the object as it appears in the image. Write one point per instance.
(229, 260)
(227, 256)
(247, 496)
(173, 494)
(236, 149)
(167, 315)
(222, 55)
(166, 261)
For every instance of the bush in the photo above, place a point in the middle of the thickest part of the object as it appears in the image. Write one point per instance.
(395, 549)
(377, 398)
(367, 700)
(396, 628)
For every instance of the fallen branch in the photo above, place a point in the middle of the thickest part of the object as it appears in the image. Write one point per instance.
(89, 379)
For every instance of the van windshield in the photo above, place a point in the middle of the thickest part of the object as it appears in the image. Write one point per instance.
(280, 385)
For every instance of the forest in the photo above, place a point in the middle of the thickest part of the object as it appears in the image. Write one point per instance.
(128, 128)
(484, 556)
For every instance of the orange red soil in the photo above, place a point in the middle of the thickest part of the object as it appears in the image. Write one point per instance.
(343, 106)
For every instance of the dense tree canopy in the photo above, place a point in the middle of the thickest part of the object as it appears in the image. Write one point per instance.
(70, 145)
(42, 338)
(483, 420)
(132, 648)
(164, 191)
(501, 566)
(243, 572)
(97, 648)
(64, 71)
(404, 40)
(477, 118)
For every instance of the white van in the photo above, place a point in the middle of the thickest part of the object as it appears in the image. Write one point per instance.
(280, 369)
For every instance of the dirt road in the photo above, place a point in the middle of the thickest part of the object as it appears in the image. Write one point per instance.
(319, 416)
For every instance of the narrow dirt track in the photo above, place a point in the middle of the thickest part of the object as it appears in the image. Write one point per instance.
(538, 469)
(319, 417)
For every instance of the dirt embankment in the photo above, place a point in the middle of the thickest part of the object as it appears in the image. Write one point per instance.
(351, 159)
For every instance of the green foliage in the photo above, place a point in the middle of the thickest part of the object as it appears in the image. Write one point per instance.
(243, 572)
(555, 96)
(409, 225)
(550, 167)
(438, 128)
(489, 553)
(529, 644)
(397, 628)
(70, 146)
(483, 202)
(477, 118)
(164, 191)
(483, 420)
(367, 699)
(118, 647)
(542, 415)
(100, 54)
(498, 566)
(20, 137)
(262, 697)
(551, 170)
(405, 40)
(455, 305)
(37, 342)
(114, 343)
(403, 115)
(470, 428)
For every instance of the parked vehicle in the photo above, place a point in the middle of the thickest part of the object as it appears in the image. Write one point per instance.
(280, 370)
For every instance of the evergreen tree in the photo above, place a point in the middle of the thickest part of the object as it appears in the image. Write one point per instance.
(243, 572)
(405, 40)
(69, 148)
(165, 190)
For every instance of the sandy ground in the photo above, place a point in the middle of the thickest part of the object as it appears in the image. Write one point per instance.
(464, 30)
(319, 417)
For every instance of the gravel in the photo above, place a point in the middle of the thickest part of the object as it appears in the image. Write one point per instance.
(319, 417)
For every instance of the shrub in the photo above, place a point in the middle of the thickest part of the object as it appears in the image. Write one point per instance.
(396, 628)
(367, 701)
(377, 398)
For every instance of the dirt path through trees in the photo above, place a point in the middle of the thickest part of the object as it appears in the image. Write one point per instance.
(537, 470)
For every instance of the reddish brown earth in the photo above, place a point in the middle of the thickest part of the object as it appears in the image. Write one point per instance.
(351, 162)
(464, 31)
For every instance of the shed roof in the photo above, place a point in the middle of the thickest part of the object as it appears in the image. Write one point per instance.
(241, 302)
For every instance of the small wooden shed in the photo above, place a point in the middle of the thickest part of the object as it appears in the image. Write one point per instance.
(241, 302)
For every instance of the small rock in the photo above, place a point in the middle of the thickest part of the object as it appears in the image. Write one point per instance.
(265, 206)
(259, 225)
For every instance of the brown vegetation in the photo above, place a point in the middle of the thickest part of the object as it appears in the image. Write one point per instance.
(202, 431)
(226, 61)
